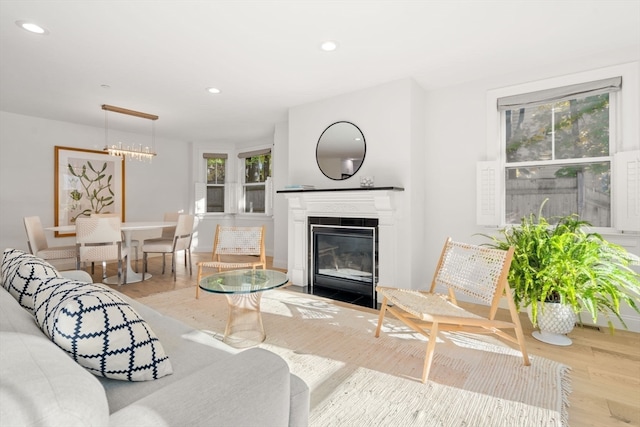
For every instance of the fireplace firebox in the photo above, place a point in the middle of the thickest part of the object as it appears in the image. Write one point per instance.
(343, 258)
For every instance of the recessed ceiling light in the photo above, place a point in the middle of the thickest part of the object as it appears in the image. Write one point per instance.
(329, 46)
(32, 28)
(213, 90)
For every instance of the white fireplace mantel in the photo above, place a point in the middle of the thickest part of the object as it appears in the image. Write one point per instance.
(379, 203)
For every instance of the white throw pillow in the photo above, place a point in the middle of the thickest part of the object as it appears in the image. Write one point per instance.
(100, 331)
(22, 274)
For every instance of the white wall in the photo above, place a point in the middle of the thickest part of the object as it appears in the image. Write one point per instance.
(27, 173)
(456, 129)
(390, 117)
(279, 175)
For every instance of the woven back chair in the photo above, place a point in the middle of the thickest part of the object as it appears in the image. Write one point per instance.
(478, 272)
(235, 247)
(100, 239)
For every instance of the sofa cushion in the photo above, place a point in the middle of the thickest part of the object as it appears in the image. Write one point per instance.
(22, 273)
(100, 331)
(42, 386)
(14, 318)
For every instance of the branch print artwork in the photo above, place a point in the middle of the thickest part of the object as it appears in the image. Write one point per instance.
(91, 185)
(87, 182)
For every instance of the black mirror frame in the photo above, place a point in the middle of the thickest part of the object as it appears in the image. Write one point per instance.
(364, 149)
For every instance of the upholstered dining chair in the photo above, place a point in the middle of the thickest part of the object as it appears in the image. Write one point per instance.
(99, 239)
(235, 247)
(180, 241)
(135, 244)
(38, 246)
(479, 273)
(167, 232)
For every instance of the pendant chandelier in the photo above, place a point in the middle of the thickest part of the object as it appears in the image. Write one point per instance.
(130, 151)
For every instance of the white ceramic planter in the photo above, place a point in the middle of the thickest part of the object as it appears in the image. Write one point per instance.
(554, 321)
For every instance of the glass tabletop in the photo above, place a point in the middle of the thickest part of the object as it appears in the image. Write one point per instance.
(243, 281)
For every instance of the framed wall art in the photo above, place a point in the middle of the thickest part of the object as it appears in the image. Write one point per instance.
(86, 182)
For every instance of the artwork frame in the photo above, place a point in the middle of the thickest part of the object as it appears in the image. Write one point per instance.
(85, 182)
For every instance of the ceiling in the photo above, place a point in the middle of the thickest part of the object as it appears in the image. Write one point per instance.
(159, 57)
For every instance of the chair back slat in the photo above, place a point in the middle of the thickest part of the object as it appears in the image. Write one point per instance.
(183, 232)
(98, 238)
(169, 232)
(238, 241)
(475, 271)
(35, 234)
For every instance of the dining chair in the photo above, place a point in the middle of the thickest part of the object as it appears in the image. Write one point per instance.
(99, 239)
(477, 272)
(134, 243)
(235, 247)
(180, 241)
(167, 232)
(38, 246)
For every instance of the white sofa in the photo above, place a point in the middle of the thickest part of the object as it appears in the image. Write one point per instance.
(201, 380)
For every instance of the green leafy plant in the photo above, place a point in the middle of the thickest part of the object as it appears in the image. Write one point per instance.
(564, 263)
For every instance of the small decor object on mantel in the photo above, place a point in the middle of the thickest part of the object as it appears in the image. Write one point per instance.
(366, 181)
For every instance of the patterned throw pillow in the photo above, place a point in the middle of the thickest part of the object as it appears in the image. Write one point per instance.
(23, 273)
(100, 331)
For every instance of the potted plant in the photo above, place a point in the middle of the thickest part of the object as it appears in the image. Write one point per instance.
(562, 263)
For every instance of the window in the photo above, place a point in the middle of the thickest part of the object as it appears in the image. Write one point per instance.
(257, 170)
(557, 146)
(216, 171)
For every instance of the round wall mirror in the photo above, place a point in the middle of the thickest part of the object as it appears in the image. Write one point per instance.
(340, 150)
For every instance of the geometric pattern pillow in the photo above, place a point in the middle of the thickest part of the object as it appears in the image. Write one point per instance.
(100, 331)
(23, 273)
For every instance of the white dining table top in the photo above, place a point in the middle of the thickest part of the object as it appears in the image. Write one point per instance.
(125, 226)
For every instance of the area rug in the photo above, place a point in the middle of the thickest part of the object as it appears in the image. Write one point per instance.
(359, 380)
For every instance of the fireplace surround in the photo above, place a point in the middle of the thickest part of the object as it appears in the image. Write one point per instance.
(379, 204)
(343, 256)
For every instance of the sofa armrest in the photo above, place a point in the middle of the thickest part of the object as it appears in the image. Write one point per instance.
(249, 388)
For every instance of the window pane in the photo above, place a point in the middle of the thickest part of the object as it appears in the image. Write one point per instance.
(573, 129)
(215, 199)
(583, 189)
(215, 171)
(254, 198)
(582, 127)
(528, 134)
(257, 168)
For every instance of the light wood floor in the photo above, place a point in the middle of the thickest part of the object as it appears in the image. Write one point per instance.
(605, 375)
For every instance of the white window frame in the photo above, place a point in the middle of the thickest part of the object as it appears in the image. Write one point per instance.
(624, 148)
(223, 186)
(268, 197)
(200, 178)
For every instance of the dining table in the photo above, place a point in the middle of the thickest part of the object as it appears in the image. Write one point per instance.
(127, 229)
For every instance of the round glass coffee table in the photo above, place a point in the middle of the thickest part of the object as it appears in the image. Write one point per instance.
(243, 289)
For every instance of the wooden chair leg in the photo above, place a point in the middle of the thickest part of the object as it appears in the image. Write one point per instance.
(383, 309)
(431, 346)
(198, 281)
